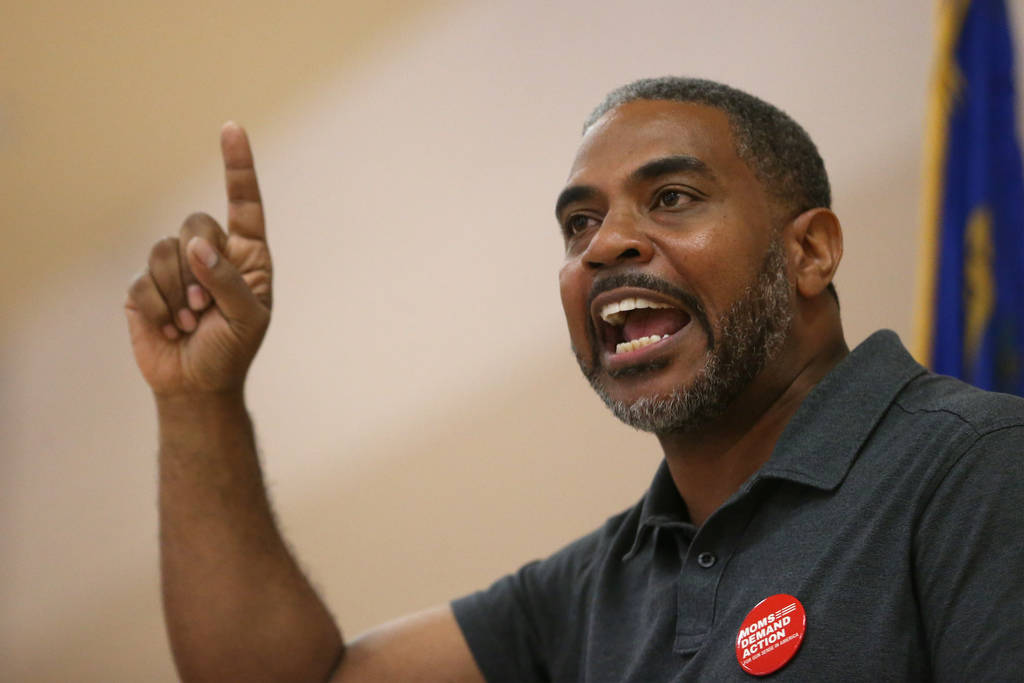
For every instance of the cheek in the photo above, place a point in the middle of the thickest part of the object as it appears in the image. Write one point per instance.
(714, 262)
(573, 288)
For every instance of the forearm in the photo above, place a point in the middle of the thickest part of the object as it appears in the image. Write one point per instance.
(236, 604)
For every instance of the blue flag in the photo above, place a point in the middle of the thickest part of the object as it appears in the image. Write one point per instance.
(970, 320)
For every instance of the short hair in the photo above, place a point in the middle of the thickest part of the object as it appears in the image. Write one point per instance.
(775, 147)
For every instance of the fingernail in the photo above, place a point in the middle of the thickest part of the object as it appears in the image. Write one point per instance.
(204, 251)
(196, 297)
(170, 331)
(186, 320)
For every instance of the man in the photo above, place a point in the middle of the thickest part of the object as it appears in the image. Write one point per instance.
(821, 514)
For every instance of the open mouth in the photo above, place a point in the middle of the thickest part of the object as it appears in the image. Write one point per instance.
(627, 322)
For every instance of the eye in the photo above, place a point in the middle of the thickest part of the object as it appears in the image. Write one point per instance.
(672, 198)
(577, 223)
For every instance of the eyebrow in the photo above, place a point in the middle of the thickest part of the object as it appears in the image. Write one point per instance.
(680, 163)
(574, 193)
(652, 170)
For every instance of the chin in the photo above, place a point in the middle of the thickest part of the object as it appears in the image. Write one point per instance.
(647, 398)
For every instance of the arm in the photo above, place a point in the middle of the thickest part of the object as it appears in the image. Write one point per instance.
(237, 606)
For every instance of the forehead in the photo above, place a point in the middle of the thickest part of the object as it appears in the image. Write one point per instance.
(636, 132)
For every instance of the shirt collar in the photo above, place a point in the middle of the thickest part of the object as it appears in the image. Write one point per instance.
(662, 506)
(821, 441)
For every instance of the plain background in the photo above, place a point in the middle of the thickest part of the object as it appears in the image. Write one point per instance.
(422, 422)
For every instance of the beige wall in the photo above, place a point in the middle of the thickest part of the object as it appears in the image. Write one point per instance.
(422, 423)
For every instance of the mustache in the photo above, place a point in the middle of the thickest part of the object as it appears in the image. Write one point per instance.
(655, 284)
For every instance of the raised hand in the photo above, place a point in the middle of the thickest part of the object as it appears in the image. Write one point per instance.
(198, 312)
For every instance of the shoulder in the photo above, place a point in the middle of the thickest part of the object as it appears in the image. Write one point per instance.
(939, 398)
(953, 434)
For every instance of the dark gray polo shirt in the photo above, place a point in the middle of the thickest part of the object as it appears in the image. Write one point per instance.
(892, 508)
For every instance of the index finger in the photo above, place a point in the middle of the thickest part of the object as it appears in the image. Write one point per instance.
(245, 209)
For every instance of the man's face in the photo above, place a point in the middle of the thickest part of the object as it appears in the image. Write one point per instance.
(674, 283)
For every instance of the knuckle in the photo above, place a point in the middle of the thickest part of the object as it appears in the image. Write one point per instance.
(198, 222)
(197, 217)
(202, 225)
(261, 318)
(143, 298)
(164, 249)
(258, 280)
(257, 323)
(138, 285)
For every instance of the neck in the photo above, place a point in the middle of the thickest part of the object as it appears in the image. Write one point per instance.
(710, 464)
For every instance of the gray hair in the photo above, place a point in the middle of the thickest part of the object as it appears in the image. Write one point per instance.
(774, 146)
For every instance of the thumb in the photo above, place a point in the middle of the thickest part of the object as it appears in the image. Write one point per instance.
(222, 280)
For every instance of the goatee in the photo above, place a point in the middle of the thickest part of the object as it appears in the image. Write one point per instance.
(748, 336)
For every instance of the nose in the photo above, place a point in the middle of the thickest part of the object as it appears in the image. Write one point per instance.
(618, 240)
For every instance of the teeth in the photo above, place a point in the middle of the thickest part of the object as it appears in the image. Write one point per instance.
(638, 343)
(614, 319)
(614, 313)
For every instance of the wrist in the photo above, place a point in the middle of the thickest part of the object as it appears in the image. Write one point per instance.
(213, 405)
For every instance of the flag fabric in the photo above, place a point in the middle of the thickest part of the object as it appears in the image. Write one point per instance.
(970, 313)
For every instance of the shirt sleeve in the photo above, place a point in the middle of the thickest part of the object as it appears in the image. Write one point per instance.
(969, 562)
(526, 628)
(500, 627)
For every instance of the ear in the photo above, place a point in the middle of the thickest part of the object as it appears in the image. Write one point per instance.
(815, 244)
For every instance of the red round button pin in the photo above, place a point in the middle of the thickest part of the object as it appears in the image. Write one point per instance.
(771, 634)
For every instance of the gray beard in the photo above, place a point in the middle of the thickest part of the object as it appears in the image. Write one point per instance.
(750, 335)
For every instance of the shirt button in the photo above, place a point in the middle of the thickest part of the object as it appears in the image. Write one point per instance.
(706, 560)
